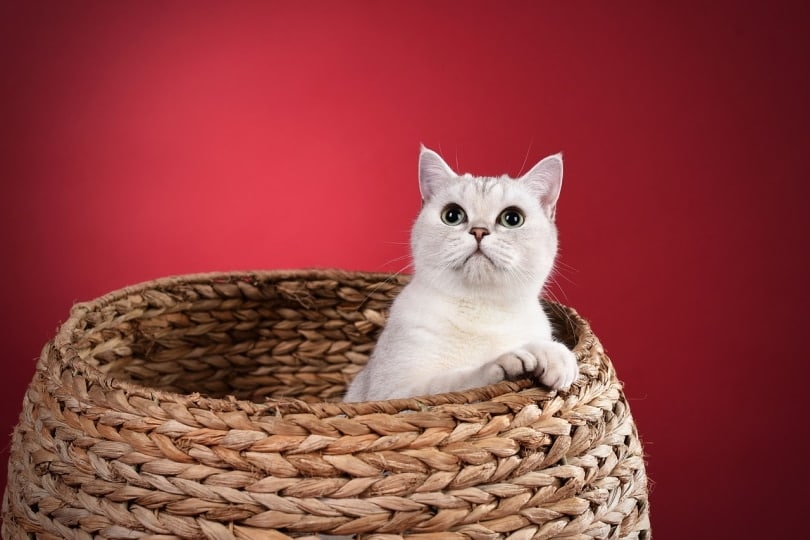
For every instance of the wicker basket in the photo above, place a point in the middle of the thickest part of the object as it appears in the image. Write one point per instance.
(207, 406)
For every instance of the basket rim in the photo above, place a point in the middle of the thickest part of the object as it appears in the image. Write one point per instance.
(64, 349)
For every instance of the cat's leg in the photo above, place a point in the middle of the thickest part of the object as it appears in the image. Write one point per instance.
(552, 363)
(454, 380)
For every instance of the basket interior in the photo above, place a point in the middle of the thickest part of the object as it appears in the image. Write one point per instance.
(250, 336)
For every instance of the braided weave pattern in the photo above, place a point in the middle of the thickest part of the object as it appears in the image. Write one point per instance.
(207, 407)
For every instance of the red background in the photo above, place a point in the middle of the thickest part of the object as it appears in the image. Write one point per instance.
(145, 139)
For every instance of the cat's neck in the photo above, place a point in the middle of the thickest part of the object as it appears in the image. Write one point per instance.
(505, 298)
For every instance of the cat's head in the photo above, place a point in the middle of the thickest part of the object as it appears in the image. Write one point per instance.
(486, 233)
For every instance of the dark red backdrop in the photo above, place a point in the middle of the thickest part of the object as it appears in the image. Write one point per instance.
(144, 139)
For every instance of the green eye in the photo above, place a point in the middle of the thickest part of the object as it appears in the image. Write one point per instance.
(453, 214)
(511, 218)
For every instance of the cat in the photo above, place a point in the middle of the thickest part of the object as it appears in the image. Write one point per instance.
(483, 248)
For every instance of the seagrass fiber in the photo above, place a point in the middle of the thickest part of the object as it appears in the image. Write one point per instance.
(208, 407)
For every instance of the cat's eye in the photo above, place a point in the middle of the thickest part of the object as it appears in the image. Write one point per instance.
(511, 218)
(453, 214)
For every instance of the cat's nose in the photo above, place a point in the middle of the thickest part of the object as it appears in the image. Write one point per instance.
(479, 233)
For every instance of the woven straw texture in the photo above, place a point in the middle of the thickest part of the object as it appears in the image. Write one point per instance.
(207, 407)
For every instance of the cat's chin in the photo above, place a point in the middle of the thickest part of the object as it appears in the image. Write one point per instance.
(480, 258)
(480, 270)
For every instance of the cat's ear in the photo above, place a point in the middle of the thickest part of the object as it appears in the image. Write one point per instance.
(433, 172)
(544, 180)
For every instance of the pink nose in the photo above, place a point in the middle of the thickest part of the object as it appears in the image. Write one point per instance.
(479, 233)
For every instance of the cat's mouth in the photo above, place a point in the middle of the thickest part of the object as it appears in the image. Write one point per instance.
(478, 256)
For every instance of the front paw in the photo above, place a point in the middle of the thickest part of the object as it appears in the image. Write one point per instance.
(512, 365)
(556, 364)
(552, 363)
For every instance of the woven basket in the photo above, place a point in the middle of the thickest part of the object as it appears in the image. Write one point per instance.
(207, 406)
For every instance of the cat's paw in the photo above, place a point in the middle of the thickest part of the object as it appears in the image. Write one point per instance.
(508, 366)
(517, 363)
(552, 363)
(556, 364)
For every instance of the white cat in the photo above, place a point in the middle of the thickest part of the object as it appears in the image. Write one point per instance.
(483, 248)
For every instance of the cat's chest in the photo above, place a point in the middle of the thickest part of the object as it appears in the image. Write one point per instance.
(469, 324)
(462, 326)
(468, 314)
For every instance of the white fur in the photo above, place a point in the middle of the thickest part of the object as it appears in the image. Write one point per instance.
(471, 315)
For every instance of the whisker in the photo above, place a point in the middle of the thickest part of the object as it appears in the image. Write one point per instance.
(395, 259)
(387, 280)
(557, 271)
(548, 291)
(526, 158)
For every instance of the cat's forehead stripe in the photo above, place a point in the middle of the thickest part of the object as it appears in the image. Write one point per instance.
(486, 188)
(485, 195)
(482, 186)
